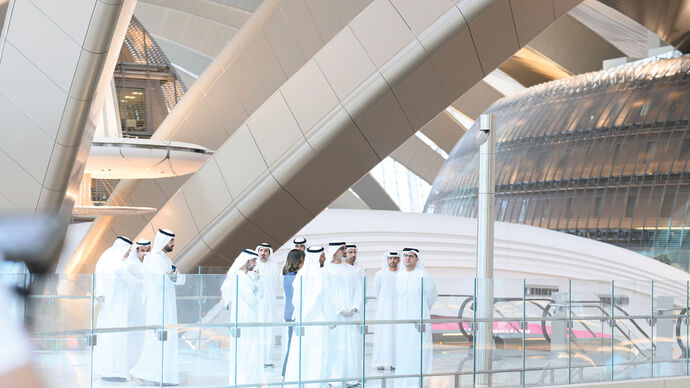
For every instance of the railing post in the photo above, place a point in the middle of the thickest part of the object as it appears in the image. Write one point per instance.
(523, 328)
(485, 249)
(201, 287)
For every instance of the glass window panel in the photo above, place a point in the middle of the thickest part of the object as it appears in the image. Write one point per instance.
(601, 157)
(681, 161)
(574, 165)
(632, 156)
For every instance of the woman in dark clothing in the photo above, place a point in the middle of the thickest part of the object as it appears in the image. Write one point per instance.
(294, 262)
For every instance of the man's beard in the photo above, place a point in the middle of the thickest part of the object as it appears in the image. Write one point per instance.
(168, 249)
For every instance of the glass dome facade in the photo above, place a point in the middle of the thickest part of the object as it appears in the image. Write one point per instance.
(602, 155)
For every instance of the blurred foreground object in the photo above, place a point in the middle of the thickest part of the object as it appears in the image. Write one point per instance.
(35, 240)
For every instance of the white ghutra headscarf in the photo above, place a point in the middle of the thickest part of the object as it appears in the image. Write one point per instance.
(162, 239)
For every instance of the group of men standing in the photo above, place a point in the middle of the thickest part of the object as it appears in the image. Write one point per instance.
(135, 286)
(328, 300)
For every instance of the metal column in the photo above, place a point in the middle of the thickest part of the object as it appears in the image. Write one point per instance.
(485, 251)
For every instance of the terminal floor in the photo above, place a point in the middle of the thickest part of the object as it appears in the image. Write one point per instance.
(210, 368)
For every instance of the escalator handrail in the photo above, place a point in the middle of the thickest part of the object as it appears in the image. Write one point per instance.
(470, 299)
(679, 322)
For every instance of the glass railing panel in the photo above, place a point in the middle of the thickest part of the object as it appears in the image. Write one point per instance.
(670, 328)
(415, 356)
(452, 315)
(342, 297)
(59, 318)
(157, 362)
(255, 310)
(363, 330)
(306, 346)
(203, 331)
(213, 270)
(632, 306)
(63, 360)
(545, 334)
(506, 331)
(383, 339)
(181, 330)
(118, 298)
(270, 315)
(590, 335)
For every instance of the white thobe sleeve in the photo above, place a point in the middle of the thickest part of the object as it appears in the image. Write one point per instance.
(126, 277)
(376, 289)
(359, 293)
(227, 289)
(430, 293)
(248, 293)
(261, 279)
(99, 290)
(330, 310)
(158, 264)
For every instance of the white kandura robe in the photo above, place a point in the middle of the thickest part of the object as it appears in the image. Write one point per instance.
(384, 289)
(360, 274)
(240, 293)
(160, 300)
(270, 277)
(311, 350)
(343, 291)
(136, 309)
(109, 354)
(410, 304)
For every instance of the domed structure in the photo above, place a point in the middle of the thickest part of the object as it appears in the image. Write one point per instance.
(602, 155)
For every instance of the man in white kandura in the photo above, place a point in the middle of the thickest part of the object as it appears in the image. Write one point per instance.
(300, 243)
(241, 294)
(136, 310)
(269, 284)
(386, 302)
(109, 360)
(343, 299)
(351, 259)
(416, 293)
(309, 308)
(160, 278)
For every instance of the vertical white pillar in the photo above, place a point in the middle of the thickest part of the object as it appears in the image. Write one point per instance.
(485, 250)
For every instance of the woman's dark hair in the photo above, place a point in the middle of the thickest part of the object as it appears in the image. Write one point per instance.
(294, 258)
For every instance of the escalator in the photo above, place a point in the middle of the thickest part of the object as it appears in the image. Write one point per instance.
(584, 335)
